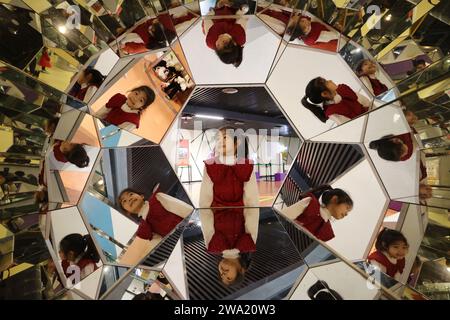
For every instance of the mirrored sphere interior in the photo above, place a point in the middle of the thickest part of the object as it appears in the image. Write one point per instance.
(224, 150)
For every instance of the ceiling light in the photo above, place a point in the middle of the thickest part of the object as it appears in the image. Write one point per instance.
(230, 90)
(388, 17)
(238, 123)
(205, 116)
(62, 29)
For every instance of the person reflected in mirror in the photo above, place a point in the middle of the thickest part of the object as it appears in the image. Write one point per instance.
(125, 111)
(87, 84)
(232, 268)
(152, 34)
(229, 187)
(418, 65)
(227, 38)
(160, 214)
(317, 208)
(338, 103)
(312, 33)
(275, 17)
(50, 126)
(79, 250)
(64, 153)
(394, 148)
(45, 61)
(411, 118)
(367, 73)
(391, 250)
(321, 291)
(228, 8)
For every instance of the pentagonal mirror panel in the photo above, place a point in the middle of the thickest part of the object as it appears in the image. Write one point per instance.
(232, 49)
(117, 202)
(243, 261)
(70, 157)
(253, 118)
(26, 264)
(20, 85)
(420, 234)
(393, 148)
(306, 188)
(301, 96)
(76, 250)
(147, 98)
(321, 283)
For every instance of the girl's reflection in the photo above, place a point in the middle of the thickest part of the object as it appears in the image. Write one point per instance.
(227, 38)
(229, 183)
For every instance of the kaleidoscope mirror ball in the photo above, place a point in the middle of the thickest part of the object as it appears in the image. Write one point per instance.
(224, 150)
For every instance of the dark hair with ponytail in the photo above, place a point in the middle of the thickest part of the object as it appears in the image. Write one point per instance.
(387, 237)
(313, 97)
(321, 291)
(327, 193)
(80, 245)
(387, 149)
(78, 156)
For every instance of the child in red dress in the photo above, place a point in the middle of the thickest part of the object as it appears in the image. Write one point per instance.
(314, 213)
(64, 153)
(366, 70)
(392, 247)
(87, 84)
(160, 214)
(152, 34)
(226, 37)
(312, 33)
(338, 103)
(45, 61)
(125, 111)
(229, 185)
(76, 249)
